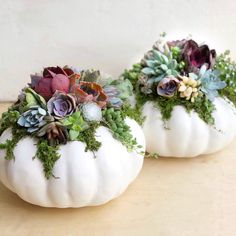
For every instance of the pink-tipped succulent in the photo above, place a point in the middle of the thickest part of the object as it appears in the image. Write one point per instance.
(90, 91)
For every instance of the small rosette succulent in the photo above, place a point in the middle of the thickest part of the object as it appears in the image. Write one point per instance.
(168, 86)
(158, 65)
(210, 82)
(90, 91)
(61, 105)
(32, 119)
(55, 133)
(117, 92)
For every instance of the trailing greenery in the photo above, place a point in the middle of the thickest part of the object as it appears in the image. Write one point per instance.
(115, 121)
(227, 68)
(48, 155)
(9, 118)
(88, 137)
(133, 113)
(9, 145)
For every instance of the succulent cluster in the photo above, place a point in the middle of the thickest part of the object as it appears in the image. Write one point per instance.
(167, 66)
(61, 103)
(176, 72)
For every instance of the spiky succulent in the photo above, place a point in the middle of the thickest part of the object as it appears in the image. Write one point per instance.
(32, 119)
(210, 82)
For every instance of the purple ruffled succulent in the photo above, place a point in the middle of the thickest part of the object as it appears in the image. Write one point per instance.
(61, 105)
(193, 55)
(167, 86)
(196, 56)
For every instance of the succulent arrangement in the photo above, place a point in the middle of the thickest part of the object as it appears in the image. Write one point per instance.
(182, 72)
(67, 104)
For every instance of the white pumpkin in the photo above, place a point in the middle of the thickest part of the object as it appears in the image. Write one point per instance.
(185, 134)
(83, 180)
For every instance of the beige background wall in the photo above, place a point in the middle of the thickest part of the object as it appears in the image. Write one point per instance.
(105, 34)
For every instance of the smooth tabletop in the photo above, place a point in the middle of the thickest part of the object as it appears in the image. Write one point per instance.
(171, 197)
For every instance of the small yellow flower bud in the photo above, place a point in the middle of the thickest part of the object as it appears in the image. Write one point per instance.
(188, 92)
(185, 79)
(194, 84)
(182, 88)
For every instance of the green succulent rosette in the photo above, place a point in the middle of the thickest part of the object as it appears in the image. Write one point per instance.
(67, 104)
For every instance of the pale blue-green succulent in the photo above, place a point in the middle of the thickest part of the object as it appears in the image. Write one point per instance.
(33, 119)
(210, 82)
(158, 66)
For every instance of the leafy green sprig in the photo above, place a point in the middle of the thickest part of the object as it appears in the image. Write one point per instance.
(227, 68)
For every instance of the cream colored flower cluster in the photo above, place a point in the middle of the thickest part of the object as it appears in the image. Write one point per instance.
(189, 88)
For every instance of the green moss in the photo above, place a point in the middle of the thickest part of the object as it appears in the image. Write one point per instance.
(202, 106)
(48, 155)
(88, 137)
(9, 145)
(9, 119)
